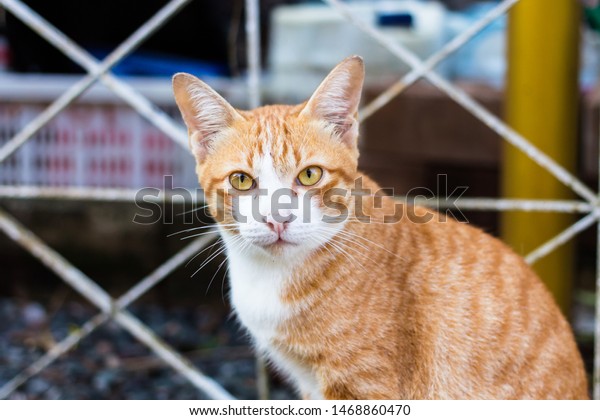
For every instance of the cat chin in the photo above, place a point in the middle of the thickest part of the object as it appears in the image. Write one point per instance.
(280, 247)
(282, 250)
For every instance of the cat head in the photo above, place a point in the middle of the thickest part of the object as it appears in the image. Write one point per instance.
(277, 178)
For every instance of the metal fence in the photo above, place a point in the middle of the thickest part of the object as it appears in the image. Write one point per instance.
(116, 309)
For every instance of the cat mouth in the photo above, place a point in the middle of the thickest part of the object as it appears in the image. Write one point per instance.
(279, 243)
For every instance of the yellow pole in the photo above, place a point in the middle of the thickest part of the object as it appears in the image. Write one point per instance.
(542, 105)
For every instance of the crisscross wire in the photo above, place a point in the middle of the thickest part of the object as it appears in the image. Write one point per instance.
(110, 309)
(96, 70)
(425, 69)
(100, 71)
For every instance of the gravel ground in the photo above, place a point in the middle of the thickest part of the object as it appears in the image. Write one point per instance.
(111, 364)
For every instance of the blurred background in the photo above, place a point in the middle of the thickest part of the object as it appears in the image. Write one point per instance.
(536, 68)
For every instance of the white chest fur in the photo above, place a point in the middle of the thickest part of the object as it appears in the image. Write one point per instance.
(256, 288)
(256, 297)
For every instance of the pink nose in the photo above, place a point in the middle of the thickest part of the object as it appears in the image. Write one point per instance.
(277, 226)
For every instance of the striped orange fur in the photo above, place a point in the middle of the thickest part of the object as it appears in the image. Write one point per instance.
(422, 308)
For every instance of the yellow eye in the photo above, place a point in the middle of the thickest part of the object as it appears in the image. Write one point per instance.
(310, 176)
(241, 181)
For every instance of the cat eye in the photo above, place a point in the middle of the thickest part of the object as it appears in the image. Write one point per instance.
(241, 181)
(310, 176)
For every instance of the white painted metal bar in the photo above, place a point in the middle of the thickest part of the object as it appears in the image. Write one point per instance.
(470, 104)
(53, 260)
(562, 237)
(132, 42)
(96, 295)
(47, 31)
(82, 57)
(133, 294)
(165, 269)
(70, 193)
(516, 140)
(411, 77)
(97, 194)
(129, 195)
(45, 116)
(253, 52)
(54, 353)
(182, 365)
(147, 110)
(504, 204)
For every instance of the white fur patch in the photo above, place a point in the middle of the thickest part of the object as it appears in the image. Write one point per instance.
(258, 277)
(256, 286)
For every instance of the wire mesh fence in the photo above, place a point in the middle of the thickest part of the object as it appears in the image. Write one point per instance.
(100, 71)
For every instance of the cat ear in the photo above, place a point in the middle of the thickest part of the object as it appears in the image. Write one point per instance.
(204, 111)
(337, 98)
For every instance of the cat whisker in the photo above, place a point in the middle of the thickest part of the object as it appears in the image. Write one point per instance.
(322, 246)
(338, 245)
(202, 251)
(364, 220)
(212, 226)
(192, 210)
(357, 236)
(214, 275)
(347, 239)
(377, 263)
(210, 258)
(218, 252)
(196, 235)
(236, 239)
(223, 280)
(341, 234)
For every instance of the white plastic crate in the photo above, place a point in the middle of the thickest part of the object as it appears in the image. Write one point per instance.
(95, 146)
(308, 40)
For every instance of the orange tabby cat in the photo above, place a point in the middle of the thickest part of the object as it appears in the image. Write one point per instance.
(348, 304)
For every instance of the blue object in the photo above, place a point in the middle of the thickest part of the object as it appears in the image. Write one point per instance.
(153, 64)
(403, 20)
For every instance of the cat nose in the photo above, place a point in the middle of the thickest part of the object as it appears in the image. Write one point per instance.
(277, 225)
